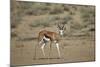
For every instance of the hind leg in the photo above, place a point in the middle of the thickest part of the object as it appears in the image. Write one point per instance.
(42, 47)
(40, 42)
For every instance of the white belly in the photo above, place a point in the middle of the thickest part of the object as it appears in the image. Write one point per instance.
(47, 39)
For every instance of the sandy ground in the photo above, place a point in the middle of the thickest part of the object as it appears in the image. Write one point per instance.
(73, 49)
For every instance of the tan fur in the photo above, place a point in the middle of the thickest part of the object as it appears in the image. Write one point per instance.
(51, 35)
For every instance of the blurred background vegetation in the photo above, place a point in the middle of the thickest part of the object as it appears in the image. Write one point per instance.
(78, 18)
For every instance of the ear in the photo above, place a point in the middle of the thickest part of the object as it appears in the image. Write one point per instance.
(64, 28)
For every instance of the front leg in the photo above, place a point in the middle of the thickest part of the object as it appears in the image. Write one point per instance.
(57, 45)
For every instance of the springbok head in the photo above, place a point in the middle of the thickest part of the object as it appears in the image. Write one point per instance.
(61, 28)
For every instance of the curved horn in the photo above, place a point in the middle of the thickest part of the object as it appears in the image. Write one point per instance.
(59, 25)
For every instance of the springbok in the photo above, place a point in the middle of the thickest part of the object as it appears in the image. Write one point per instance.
(52, 37)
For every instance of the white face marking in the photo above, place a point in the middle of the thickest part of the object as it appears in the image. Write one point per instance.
(47, 39)
(61, 32)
